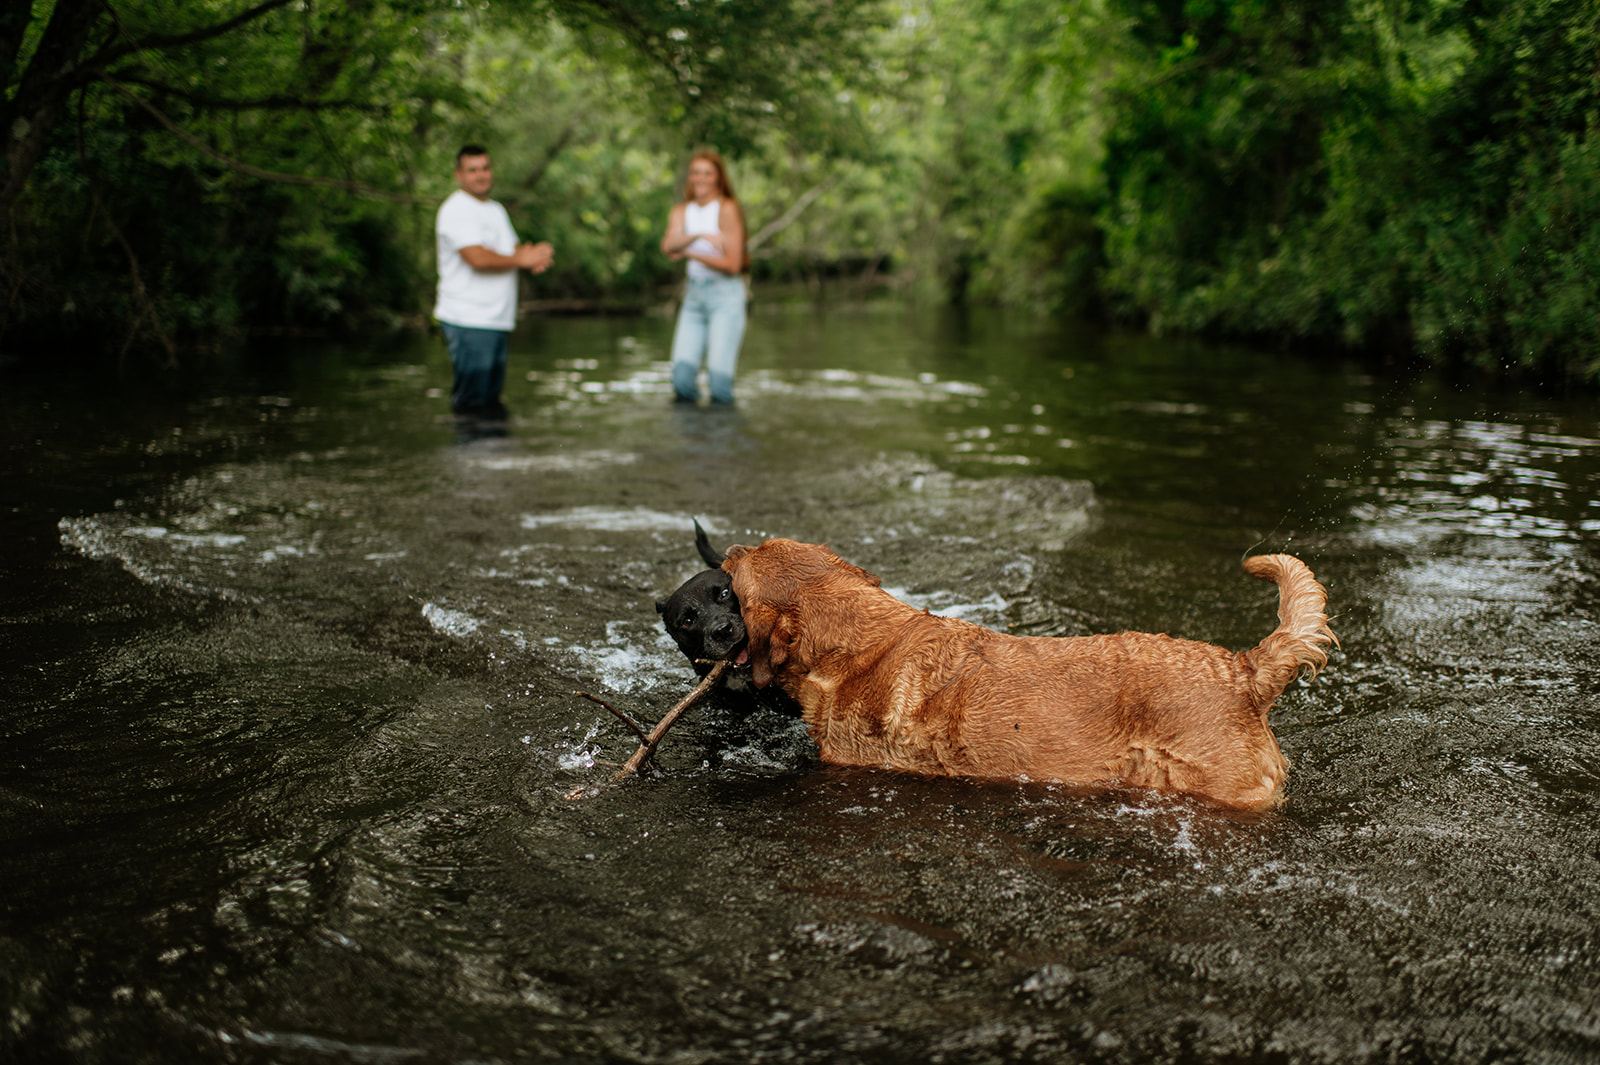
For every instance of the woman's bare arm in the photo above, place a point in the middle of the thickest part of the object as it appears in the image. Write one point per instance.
(676, 239)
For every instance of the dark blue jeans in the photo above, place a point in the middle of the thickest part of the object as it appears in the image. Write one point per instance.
(479, 359)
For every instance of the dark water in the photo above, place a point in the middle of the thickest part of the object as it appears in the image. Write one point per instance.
(289, 718)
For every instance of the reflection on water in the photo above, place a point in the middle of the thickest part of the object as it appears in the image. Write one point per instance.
(291, 664)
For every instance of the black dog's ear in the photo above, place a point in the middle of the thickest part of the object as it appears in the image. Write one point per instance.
(702, 544)
(661, 606)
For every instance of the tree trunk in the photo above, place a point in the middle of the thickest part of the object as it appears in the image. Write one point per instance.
(53, 72)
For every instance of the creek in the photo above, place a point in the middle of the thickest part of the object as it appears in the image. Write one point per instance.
(290, 725)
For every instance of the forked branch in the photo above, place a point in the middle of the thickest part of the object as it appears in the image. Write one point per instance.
(650, 742)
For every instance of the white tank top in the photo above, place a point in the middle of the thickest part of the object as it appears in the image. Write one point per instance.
(702, 218)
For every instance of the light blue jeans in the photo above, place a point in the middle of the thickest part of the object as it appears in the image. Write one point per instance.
(710, 326)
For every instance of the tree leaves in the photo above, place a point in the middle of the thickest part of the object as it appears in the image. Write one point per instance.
(1361, 173)
(253, 126)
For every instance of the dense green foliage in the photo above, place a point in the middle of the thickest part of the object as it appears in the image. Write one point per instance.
(1414, 175)
(178, 172)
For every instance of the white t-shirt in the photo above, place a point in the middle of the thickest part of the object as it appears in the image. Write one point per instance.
(478, 299)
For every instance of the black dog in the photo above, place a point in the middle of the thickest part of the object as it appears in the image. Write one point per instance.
(702, 616)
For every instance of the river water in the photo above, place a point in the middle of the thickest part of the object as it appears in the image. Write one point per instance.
(290, 729)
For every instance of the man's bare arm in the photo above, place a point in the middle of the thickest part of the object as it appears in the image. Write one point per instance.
(534, 257)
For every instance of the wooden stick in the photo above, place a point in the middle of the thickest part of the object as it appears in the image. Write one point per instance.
(642, 755)
(626, 720)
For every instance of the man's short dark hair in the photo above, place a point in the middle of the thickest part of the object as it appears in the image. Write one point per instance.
(469, 149)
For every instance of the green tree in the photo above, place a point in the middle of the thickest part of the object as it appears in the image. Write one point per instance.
(1509, 265)
(1414, 175)
(273, 162)
(980, 178)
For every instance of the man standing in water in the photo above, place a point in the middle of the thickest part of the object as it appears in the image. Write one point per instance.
(478, 262)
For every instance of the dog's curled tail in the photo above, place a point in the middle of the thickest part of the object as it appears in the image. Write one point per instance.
(1302, 638)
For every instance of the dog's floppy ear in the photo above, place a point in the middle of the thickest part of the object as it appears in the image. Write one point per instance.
(768, 637)
(734, 554)
(768, 633)
(661, 606)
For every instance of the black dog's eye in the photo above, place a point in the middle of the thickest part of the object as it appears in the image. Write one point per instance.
(688, 620)
(724, 594)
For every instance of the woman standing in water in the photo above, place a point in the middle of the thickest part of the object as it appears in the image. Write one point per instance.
(707, 229)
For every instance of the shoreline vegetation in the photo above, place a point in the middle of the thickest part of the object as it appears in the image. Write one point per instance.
(1419, 181)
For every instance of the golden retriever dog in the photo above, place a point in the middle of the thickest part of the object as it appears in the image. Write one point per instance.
(882, 683)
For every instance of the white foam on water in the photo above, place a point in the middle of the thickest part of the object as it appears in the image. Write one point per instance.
(836, 384)
(622, 669)
(199, 562)
(209, 539)
(563, 462)
(625, 661)
(90, 537)
(450, 622)
(579, 753)
(611, 519)
(150, 553)
(946, 604)
(752, 757)
(1183, 842)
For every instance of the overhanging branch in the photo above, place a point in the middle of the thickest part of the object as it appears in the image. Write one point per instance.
(163, 41)
(783, 221)
(275, 102)
(245, 168)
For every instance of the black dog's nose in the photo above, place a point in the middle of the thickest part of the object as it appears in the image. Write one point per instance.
(724, 631)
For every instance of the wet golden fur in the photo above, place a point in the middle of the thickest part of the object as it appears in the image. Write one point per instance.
(882, 683)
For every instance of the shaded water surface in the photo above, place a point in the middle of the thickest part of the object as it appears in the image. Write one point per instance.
(289, 720)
